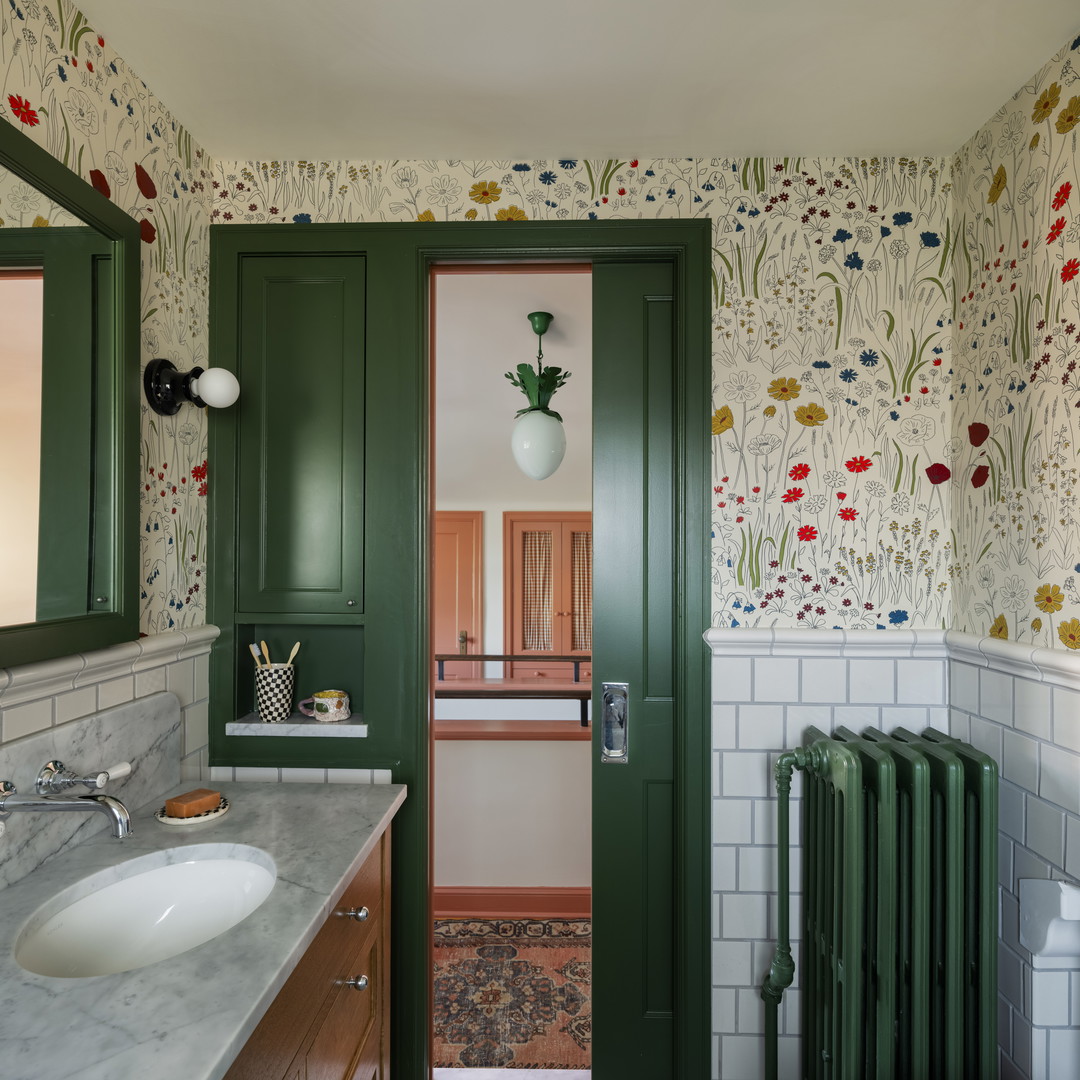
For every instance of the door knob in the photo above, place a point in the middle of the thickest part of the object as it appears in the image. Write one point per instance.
(358, 982)
(462, 640)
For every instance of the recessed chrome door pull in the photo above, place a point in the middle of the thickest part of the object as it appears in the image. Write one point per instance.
(615, 734)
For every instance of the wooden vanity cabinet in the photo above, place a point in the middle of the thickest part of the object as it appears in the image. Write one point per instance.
(319, 1027)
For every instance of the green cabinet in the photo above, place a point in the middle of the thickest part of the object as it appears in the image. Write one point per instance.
(300, 490)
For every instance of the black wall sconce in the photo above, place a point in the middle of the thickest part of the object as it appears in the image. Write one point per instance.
(167, 389)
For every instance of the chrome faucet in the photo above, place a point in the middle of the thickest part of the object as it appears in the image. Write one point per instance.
(53, 783)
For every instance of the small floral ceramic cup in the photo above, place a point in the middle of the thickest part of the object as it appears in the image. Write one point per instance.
(327, 705)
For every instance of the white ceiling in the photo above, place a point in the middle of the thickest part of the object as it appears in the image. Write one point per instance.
(436, 79)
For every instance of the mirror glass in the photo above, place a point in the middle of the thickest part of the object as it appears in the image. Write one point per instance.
(69, 279)
(22, 289)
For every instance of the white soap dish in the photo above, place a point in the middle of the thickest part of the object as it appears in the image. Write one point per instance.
(195, 819)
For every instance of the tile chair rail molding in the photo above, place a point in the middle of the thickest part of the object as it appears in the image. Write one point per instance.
(49, 694)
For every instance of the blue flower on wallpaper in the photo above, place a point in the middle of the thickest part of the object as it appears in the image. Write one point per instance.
(739, 227)
(868, 358)
(930, 239)
(886, 231)
(897, 617)
(302, 219)
(822, 364)
(671, 193)
(740, 209)
(849, 375)
(710, 187)
(568, 163)
(592, 215)
(894, 415)
(63, 76)
(901, 218)
(650, 198)
(522, 167)
(649, 172)
(547, 177)
(853, 262)
(841, 236)
(754, 212)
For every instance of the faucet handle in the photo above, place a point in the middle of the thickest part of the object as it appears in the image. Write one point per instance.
(54, 778)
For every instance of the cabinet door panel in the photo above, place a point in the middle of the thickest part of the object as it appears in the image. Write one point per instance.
(301, 434)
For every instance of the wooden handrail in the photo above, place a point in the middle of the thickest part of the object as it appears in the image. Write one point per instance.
(441, 660)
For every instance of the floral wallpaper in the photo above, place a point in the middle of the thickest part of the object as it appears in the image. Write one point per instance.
(63, 86)
(893, 408)
(832, 349)
(1016, 408)
(22, 206)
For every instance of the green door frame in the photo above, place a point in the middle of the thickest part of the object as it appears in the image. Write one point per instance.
(398, 508)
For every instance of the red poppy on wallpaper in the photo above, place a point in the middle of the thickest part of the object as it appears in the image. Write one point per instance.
(1070, 270)
(807, 532)
(848, 513)
(147, 231)
(1061, 197)
(145, 182)
(858, 464)
(937, 473)
(799, 472)
(978, 434)
(21, 108)
(97, 178)
(980, 475)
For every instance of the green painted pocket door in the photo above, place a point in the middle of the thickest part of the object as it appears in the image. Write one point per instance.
(300, 498)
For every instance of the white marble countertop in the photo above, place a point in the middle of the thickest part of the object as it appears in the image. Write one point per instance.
(186, 1018)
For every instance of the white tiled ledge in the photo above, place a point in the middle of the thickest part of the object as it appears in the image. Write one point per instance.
(1055, 667)
(924, 644)
(46, 678)
(298, 724)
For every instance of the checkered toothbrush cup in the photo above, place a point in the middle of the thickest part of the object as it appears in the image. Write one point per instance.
(274, 692)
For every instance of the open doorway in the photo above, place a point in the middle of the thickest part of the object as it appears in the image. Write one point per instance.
(511, 788)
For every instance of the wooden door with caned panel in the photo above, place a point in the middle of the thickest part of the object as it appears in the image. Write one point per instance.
(547, 568)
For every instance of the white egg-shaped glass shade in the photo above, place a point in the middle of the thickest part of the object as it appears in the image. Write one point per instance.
(539, 443)
(217, 387)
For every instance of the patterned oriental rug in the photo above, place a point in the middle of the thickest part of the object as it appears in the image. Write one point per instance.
(513, 993)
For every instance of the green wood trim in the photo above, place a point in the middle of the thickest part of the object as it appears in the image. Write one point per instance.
(396, 665)
(117, 462)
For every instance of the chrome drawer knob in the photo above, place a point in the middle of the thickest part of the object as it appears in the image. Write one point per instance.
(359, 914)
(357, 982)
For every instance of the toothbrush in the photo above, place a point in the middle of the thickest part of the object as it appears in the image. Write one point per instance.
(295, 650)
(265, 653)
(255, 652)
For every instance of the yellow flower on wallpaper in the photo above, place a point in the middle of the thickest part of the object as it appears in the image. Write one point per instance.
(470, 215)
(1069, 117)
(784, 389)
(998, 186)
(511, 213)
(486, 191)
(1000, 628)
(427, 215)
(1034, 140)
(39, 223)
(1036, 624)
(770, 410)
(811, 415)
(722, 420)
(1047, 103)
(1049, 598)
(1069, 632)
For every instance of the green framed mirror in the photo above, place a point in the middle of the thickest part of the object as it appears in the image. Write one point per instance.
(69, 410)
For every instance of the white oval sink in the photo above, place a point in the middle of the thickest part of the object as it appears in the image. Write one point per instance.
(145, 910)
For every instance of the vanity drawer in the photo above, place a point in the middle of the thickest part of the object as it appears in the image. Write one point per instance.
(314, 1010)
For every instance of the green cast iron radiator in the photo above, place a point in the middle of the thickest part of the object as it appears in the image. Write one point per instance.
(899, 891)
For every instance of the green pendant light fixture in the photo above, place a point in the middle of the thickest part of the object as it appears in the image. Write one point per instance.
(538, 440)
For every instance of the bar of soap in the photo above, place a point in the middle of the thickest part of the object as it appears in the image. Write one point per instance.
(199, 801)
